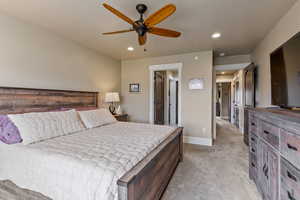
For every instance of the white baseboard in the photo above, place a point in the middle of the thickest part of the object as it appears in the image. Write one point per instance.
(197, 140)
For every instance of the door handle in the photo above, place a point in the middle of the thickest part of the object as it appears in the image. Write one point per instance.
(292, 147)
(291, 176)
(290, 196)
(265, 170)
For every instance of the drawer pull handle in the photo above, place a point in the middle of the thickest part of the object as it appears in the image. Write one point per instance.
(291, 176)
(253, 150)
(253, 165)
(292, 147)
(266, 132)
(266, 170)
(253, 124)
(290, 196)
(253, 139)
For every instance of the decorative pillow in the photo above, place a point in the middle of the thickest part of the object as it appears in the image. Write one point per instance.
(95, 118)
(9, 133)
(40, 126)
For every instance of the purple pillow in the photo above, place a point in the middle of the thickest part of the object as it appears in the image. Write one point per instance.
(9, 133)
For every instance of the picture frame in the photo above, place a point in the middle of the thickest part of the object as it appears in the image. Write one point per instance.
(196, 84)
(134, 87)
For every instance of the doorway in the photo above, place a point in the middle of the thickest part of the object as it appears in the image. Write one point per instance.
(242, 94)
(223, 105)
(165, 94)
(166, 97)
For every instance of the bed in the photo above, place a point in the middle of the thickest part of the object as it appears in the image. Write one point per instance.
(125, 161)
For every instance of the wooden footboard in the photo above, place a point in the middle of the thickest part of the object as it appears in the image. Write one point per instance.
(150, 177)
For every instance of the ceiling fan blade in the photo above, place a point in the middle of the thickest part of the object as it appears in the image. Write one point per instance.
(160, 15)
(164, 32)
(143, 39)
(118, 13)
(116, 32)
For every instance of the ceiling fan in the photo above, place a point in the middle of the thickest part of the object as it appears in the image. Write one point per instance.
(141, 26)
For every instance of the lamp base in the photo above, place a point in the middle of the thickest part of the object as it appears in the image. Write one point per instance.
(112, 109)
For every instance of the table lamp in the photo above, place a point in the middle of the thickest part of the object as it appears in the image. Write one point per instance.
(112, 97)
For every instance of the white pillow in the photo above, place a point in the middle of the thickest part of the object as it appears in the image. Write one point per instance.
(36, 127)
(94, 118)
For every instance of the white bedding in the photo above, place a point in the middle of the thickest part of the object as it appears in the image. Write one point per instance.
(84, 165)
(38, 126)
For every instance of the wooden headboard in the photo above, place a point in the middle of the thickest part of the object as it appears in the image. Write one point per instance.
(21, 100)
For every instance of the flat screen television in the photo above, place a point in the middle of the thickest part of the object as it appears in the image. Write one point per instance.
(285, 74)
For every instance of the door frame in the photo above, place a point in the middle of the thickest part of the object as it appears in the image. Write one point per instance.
(163, 67)
(175, 81)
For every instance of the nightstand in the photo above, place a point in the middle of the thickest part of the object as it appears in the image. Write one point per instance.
(122, 117)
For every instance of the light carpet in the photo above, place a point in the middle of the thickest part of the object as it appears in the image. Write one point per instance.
(214, 173)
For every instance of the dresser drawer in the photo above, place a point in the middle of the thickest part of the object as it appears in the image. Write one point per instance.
(253, 144)
(253, 167)
(253, 160)
(253, 124)
(253, 139)
(270, 133)
(290, 181)
(290, 147)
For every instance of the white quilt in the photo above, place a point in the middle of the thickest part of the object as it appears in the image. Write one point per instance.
(84, 165)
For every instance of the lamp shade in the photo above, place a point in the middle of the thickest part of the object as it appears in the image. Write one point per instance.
(112, 97)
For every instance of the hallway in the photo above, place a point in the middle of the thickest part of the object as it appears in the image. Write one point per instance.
(214, 173)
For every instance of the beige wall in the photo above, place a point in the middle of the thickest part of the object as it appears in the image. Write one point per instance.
(196, 105)
(224, 78)
(288, 26)
(36, 58)
(227, 60)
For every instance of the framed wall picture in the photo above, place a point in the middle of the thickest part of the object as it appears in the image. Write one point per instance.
(196, 84)
(134, 87)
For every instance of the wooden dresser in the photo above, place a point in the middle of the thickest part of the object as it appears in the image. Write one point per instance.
(274, 152)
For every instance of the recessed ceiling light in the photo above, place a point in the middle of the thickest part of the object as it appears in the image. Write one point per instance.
(223, 72)
(216, 35)
(222, 54)
(196, 57)
(130, 48)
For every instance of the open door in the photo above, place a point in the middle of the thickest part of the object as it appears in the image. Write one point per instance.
(159, 97)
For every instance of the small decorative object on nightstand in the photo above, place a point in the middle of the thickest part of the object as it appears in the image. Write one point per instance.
(112, 97)
(122, 117)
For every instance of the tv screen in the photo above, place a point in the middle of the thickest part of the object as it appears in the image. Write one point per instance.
(285, 74)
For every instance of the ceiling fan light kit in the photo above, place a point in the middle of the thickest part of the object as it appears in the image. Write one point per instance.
(141, 26)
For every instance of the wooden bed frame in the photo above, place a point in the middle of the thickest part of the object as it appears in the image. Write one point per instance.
(146, 181)
(149, 178)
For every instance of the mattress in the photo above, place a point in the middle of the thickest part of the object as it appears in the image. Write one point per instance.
(84, 165)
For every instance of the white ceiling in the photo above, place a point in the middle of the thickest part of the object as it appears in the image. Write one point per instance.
(243, 23)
